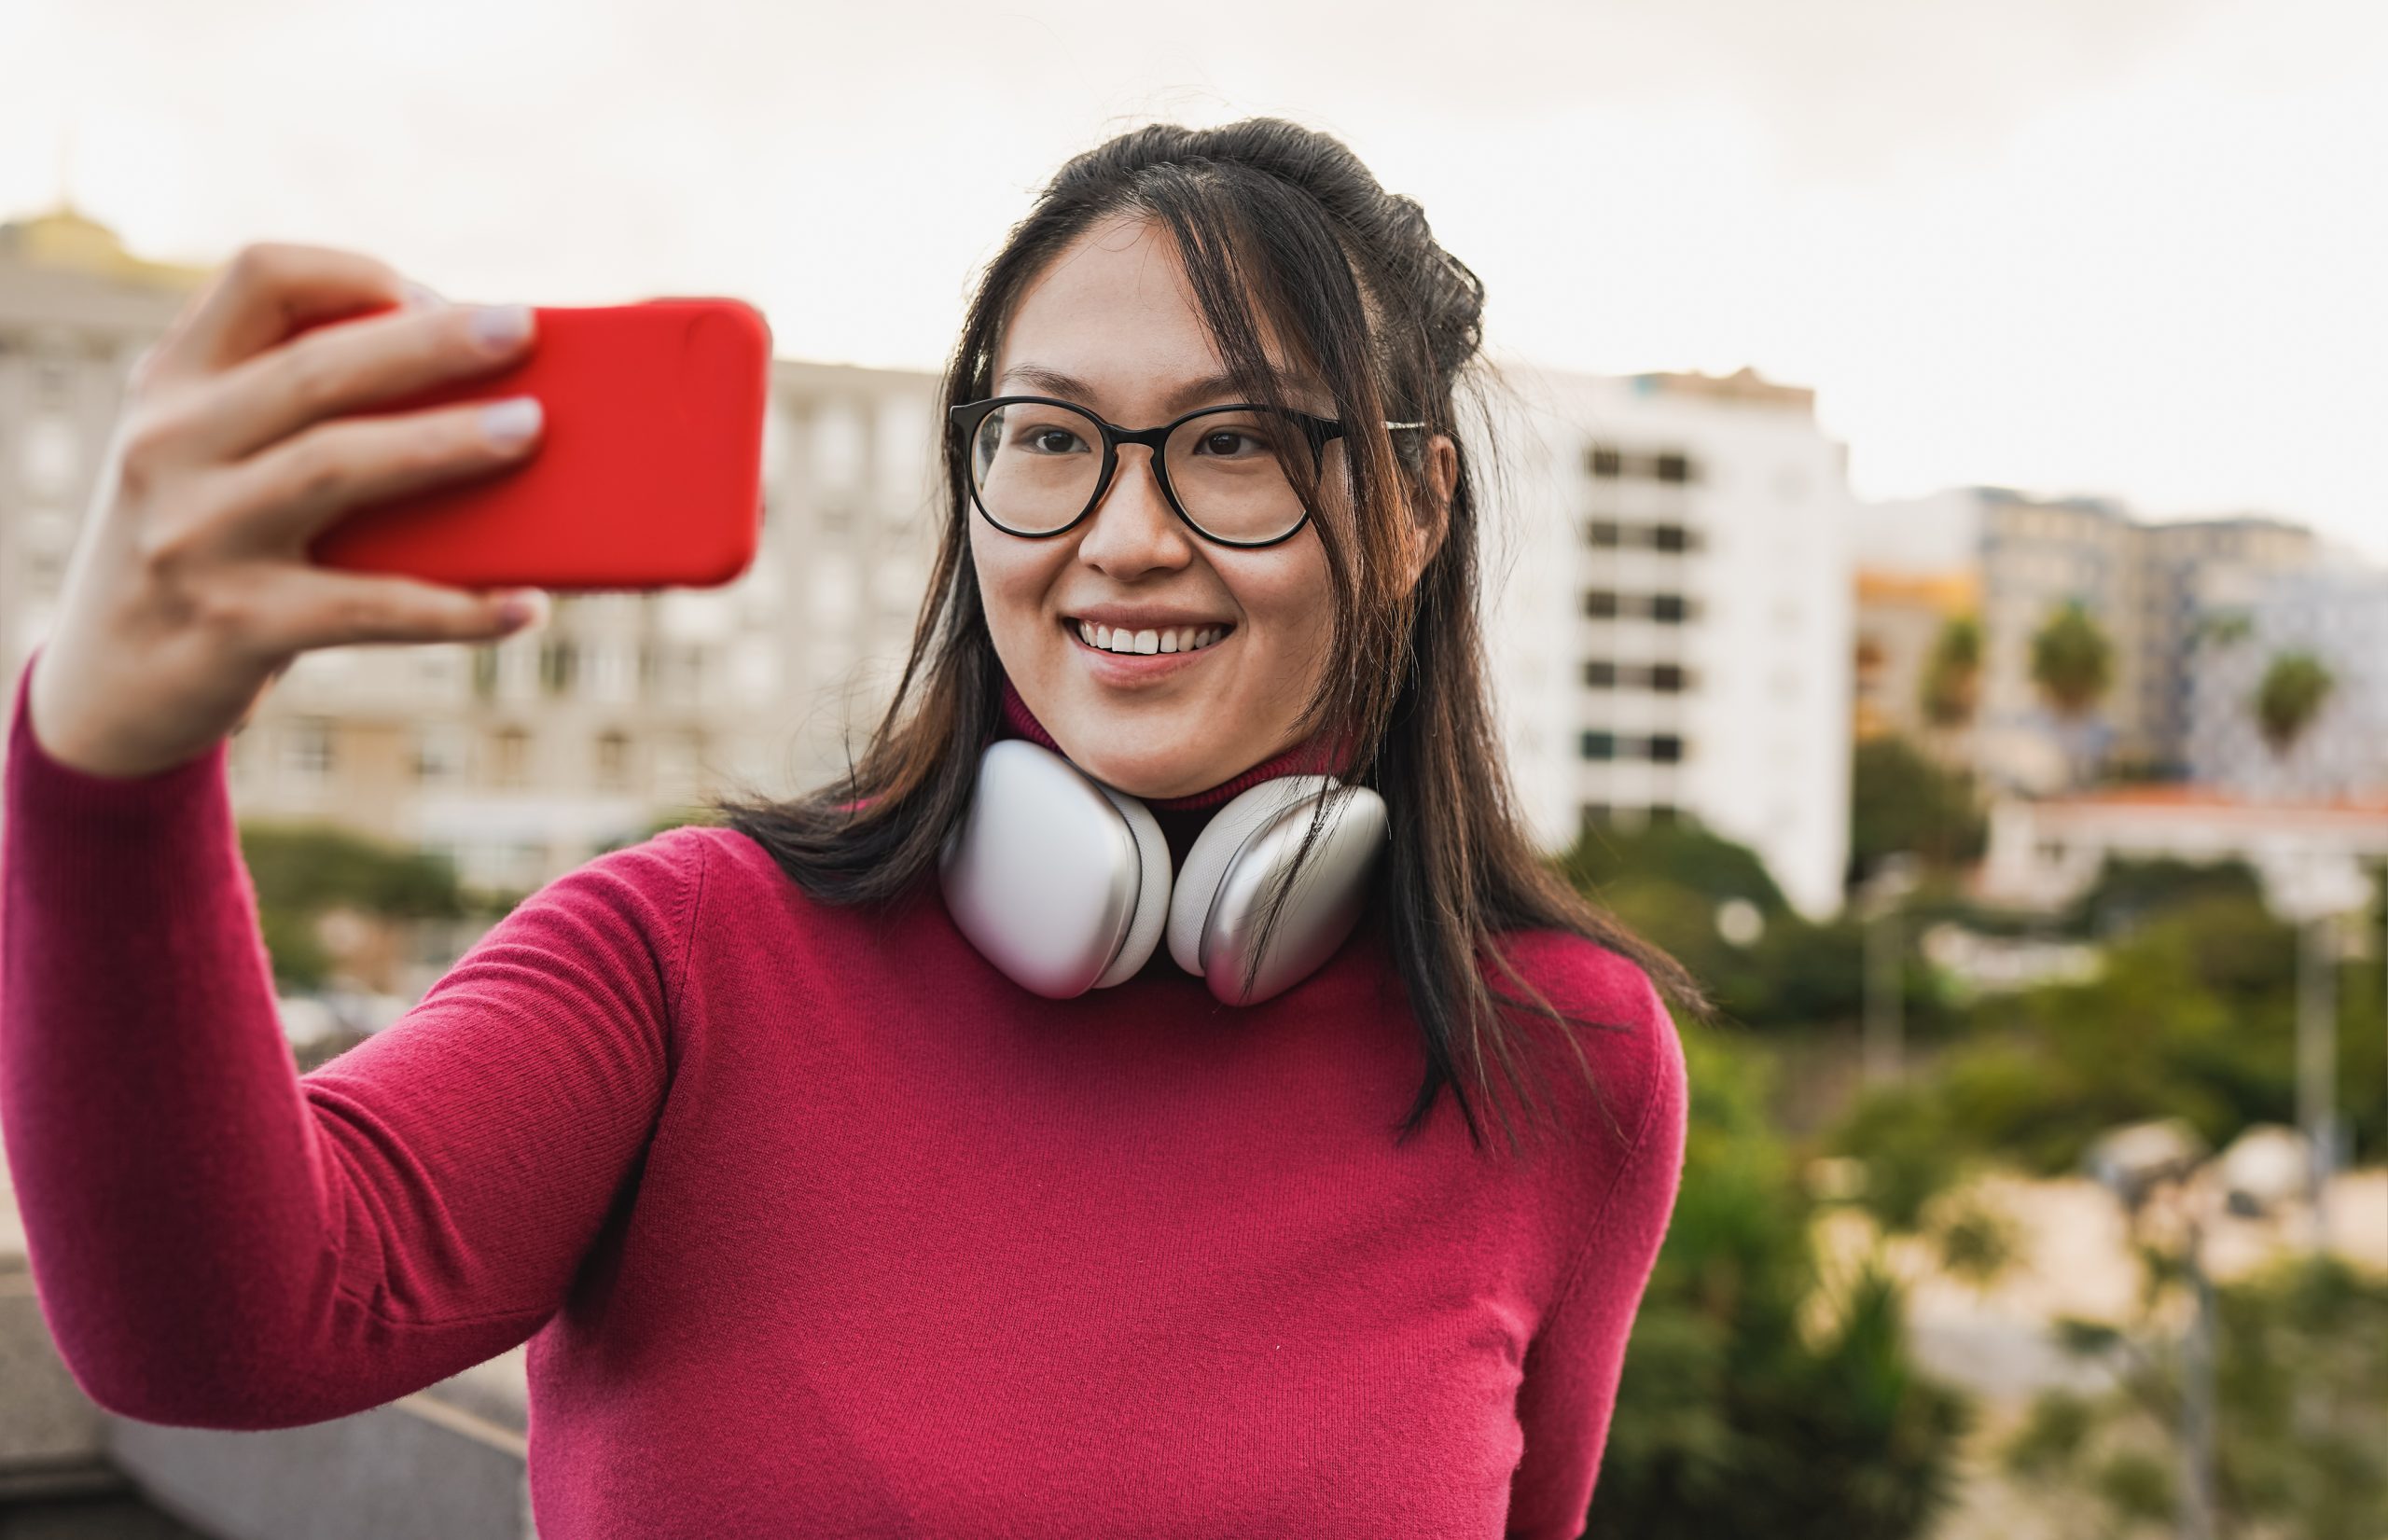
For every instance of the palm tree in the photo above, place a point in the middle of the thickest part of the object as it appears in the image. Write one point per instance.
(2073, 663)
(2295, 688)
(1953, 673)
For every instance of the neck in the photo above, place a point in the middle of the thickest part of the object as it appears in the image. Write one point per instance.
(1311, 756)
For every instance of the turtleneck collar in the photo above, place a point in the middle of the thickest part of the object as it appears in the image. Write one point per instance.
(1313, 756)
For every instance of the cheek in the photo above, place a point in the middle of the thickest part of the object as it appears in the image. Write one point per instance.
(1013, 577)
(1289, 607)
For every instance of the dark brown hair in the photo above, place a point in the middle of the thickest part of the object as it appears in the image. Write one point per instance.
(1282, 230)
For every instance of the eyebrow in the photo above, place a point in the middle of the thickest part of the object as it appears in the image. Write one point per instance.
(1185, 398)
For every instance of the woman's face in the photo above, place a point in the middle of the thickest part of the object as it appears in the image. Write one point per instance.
(1113, 325)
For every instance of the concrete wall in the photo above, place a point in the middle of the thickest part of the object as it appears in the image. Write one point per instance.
(446, 1464)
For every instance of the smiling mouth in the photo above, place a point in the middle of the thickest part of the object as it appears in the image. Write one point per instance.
(1169, 639)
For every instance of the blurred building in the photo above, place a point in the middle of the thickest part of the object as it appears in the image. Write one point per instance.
(1668, 601)
(2335, 613)
(1901, 621)
(2151, 589)
(2044, 852)
(76, 311)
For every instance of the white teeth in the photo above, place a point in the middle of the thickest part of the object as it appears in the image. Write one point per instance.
(1177, 639)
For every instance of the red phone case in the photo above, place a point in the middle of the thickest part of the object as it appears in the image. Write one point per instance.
(648, 473)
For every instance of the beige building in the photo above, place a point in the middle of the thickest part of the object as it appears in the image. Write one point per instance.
(2153, 589)
(1899, 619)
(518, 760)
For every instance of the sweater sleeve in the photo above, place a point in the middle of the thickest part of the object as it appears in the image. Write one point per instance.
(1573, 1364)
(217, 1241)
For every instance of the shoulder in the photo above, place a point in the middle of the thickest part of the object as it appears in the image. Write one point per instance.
(1612, 1023)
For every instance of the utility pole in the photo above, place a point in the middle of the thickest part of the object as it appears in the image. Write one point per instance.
(2196, 1385)
(1885, 1045)
(2317, 1020)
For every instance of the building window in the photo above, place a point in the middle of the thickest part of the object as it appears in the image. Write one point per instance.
(1666, 748)
(1604, 534)
(311, 747)
(1662, 813)
(1600, 604)
(485, 672)
(1670, 537)
(438, 753)
(559, 662)
(1671, 467)
(1599, 745)
(1599, 674)
(612, 761)
(1605, 461)
(1669, 678)
(513, 759)
(1670, 608)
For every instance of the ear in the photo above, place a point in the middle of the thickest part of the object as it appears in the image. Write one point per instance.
(1431, 516)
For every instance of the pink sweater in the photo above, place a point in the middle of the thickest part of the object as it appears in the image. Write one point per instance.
(813, 1221)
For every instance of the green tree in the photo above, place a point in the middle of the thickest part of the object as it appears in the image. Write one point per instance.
(1952, 687)
(1902, 800)
(2295, 690)
(2073, 661)
(1730, 1419)
(302, 870)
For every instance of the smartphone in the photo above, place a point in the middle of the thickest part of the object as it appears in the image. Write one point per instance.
(648, 472)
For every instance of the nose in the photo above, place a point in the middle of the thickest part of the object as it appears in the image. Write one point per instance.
(1132, 531)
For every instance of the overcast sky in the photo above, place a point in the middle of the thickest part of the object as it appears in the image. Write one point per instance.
(2129, 248)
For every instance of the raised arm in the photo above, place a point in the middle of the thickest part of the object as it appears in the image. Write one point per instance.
(219, 1243)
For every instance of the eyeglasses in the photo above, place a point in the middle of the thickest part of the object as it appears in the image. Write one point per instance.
(1039, 466)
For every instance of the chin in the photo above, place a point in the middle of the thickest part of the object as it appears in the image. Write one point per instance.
(1148, 757)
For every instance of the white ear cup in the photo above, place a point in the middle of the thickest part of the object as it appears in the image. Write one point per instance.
(1229, 830)
(1152, 892)
(1057, 882)
(1240, 862)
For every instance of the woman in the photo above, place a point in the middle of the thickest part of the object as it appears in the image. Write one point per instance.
(814, 1219)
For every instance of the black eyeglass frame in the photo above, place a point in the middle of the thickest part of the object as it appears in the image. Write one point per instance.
(1318, 431)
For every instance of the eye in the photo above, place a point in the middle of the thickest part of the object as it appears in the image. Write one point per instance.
(1230, 443)
(1046, 438)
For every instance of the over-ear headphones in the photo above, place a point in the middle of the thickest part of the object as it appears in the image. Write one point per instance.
(1063, 883)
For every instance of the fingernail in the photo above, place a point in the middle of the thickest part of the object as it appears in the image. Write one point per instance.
(520, 608)
(420, 295)
(513, 422)
(500, 327)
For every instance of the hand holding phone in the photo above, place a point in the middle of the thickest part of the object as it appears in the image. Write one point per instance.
(303, 387)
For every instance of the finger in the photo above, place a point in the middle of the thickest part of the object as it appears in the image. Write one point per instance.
(301, 608)
(285, 496)
(263, 294)
(352, 367)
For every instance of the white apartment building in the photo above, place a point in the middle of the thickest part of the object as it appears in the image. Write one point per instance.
(1668, 602)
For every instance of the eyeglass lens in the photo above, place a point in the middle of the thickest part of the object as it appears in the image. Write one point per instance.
(1034, 465)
